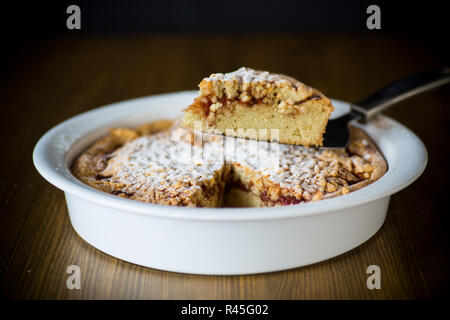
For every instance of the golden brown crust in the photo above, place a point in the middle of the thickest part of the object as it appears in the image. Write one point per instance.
(367, 150)
(155, 126)
(101, 164)
(94, 159)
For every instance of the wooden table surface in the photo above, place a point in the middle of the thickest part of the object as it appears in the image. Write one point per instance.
(45, 81)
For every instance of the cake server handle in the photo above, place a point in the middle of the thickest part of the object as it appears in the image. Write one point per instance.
(399, 91)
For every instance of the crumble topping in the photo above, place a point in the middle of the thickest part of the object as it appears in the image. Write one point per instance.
(249, 88)
(163, 167)
(299, 173)
(178, 167)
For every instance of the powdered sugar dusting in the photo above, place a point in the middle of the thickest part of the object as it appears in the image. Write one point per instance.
(294, 167)
(247, 75)
(163, 163)
(173, 165)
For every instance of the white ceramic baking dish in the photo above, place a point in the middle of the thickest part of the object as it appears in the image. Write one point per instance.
(220, 240)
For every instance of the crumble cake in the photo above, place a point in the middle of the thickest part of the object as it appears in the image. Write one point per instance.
(252, 100)
(163, 163)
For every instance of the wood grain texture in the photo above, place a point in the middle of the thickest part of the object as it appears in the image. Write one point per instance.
(47, 81)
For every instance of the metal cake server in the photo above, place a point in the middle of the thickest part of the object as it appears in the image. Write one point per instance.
(337, 134)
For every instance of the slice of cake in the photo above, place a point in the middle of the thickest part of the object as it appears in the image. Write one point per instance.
(157, 163)
(259, 105)
(294, 174)
(164, 164)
